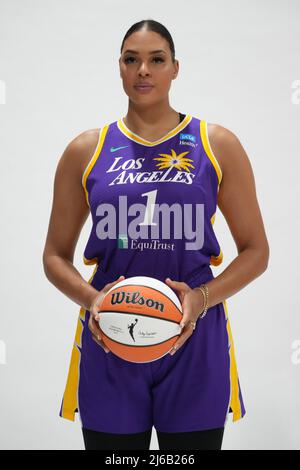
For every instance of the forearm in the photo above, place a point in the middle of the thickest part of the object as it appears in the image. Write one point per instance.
(63, 275)
(248, 265)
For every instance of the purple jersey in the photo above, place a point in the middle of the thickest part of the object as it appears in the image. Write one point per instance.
(153, 206)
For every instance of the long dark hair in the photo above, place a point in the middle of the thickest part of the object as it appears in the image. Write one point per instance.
(151, 25)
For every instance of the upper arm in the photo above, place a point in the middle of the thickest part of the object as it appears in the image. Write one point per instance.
(69, 206)
(237, 197)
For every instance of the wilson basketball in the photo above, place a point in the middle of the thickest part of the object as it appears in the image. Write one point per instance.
(139, 319)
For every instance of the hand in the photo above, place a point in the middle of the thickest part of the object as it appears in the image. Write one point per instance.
(94, 314)
(192, 305)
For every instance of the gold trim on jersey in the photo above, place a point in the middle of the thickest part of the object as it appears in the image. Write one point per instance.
(234, 402)
(131, 135)
(89, 261)
(70, 397)
(215, 260)
(88, 168)
(208, 150)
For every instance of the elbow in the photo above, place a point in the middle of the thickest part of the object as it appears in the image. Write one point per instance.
(259, 255)
(262, 258)
(264, 263)
(53, 261)
(45, 265)
(266, 256)
(46, 261)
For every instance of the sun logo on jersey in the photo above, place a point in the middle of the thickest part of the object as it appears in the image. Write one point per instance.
(173, 160)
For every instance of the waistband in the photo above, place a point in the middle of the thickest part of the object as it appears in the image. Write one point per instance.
(204, 274)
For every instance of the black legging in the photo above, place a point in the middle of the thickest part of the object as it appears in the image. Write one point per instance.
(210, 439)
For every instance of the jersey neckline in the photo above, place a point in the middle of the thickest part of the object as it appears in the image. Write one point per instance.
(140, 140)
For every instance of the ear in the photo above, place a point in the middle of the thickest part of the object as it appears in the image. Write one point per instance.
(176, 66)
(120, 67)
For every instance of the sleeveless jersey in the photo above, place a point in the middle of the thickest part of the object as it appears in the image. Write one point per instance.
(176, 172)
(153, 206)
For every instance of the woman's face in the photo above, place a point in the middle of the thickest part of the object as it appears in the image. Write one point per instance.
(140, 64)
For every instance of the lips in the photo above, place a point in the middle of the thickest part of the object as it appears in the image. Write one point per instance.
(143, 88)
(143, 85)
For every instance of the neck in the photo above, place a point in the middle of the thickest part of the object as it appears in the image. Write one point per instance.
(155, 118)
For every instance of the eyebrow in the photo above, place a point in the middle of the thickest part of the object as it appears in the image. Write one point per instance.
(151, 52)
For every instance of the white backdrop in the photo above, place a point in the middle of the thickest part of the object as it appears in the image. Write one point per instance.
(239, 67)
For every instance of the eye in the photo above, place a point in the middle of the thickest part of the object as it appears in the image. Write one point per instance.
(159, 59)
(128, 59)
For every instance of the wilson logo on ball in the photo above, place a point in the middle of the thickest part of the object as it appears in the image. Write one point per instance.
(135, 298)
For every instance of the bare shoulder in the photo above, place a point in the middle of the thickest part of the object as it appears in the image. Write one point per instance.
(225, 145)
(218, 133)
(80, 150)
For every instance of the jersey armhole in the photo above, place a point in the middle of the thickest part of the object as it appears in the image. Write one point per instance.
(208, 150)
(93, 159)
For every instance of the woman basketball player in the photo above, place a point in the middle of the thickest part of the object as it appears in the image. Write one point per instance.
(154, 154)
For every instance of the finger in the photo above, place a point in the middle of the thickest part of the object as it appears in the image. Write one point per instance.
(96, 306)
(106, 288)
(185, 318)
(100, 343)
(179, 287)
(96, 330)
(94, 326)
(111, 284)
(95, 338)
(179, 343)
(176, 284)
(96, 316)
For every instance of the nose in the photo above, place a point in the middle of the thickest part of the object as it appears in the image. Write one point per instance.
(143, 70)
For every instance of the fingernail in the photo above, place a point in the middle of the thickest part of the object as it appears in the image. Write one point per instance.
(182, 325)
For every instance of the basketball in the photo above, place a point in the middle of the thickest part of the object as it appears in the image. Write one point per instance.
(140, 319)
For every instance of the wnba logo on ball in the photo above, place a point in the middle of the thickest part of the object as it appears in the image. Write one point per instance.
(135, 298)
